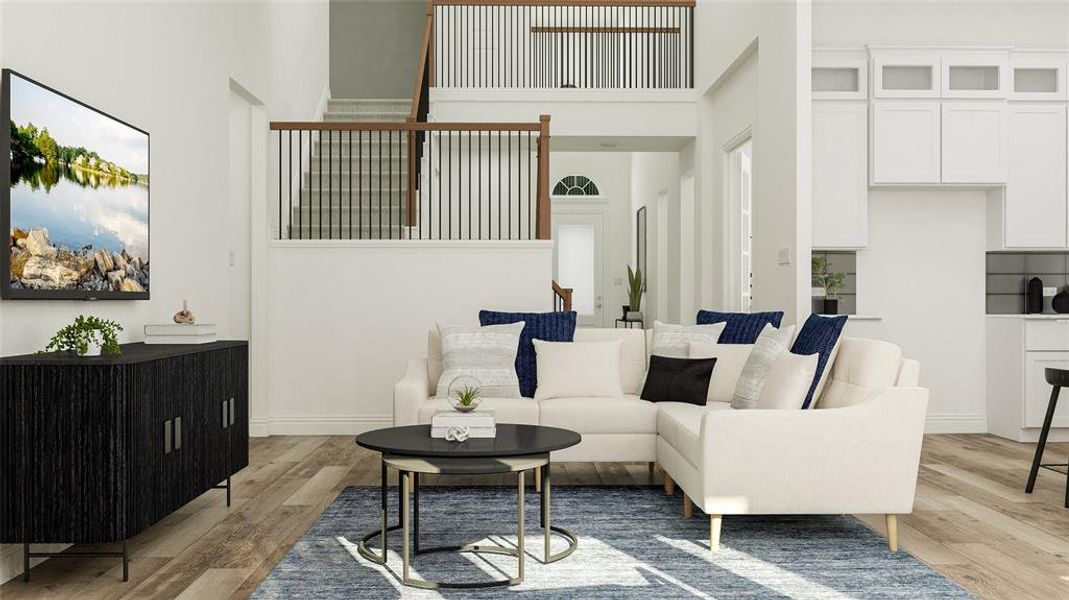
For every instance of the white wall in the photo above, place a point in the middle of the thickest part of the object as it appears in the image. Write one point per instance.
(779, 34)
(930, 238)
(345, 317)
(923, 273)
(655, 179)
(168, 70)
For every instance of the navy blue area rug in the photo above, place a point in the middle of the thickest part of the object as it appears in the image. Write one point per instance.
(633, 543)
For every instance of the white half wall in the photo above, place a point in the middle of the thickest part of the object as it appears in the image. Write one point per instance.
(345, 317)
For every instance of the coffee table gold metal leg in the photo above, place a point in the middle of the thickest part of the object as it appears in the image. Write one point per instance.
(520, 493)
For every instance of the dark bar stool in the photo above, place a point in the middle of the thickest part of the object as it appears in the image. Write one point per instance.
(1057, 378)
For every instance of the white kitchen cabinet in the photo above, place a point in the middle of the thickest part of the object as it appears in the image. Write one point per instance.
(1019, 347)
(1038, 76)
(974, 142)
(1035, 209)
(974, 74)
(905, 143)
(906, 73)
(1037, 390)
(840, 174)
(840, 74)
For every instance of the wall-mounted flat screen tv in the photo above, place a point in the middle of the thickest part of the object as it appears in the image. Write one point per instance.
(75, 198)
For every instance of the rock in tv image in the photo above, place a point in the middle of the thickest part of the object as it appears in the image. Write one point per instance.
(76, 207)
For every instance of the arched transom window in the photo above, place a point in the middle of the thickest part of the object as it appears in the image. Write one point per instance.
(575, 185)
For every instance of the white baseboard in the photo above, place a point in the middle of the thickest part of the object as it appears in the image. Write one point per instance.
(318, 425)
(956, 423)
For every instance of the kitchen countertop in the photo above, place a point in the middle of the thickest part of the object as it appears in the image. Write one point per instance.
(1033, 317)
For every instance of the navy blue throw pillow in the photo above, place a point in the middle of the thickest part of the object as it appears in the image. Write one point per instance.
(741, 328)
(818, 335)
(549, 327)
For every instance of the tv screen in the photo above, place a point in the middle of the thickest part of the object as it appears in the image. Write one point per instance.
(75, 198)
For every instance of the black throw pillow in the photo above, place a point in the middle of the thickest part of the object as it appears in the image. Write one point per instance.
(678, 379)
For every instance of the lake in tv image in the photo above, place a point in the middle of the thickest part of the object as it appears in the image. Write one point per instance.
(79, 196)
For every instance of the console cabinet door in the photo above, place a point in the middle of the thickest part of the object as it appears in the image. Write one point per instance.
(840, 174)
(238, 380)
(1037, 391)
(905, 141)
(1035, 209)
(974, 142)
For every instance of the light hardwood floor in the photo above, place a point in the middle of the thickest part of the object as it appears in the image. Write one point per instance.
(972, 521)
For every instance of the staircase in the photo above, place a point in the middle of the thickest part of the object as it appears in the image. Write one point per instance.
(355, 182)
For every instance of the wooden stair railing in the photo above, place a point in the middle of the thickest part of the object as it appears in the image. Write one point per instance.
(562, 298)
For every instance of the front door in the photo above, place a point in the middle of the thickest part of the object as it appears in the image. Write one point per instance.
(578, 262)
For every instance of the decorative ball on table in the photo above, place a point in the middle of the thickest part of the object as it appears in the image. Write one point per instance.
(463, 393)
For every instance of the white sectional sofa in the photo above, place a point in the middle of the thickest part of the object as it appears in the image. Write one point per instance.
(857, 452)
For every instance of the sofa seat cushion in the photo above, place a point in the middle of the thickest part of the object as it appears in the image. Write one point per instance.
(624, 414)
(680, 424)
(506, 410)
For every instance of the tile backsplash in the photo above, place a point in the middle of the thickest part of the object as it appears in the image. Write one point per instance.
(844, 262)
(1009, 272)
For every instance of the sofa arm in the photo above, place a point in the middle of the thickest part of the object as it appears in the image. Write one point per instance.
(858, 459)
(410, 393)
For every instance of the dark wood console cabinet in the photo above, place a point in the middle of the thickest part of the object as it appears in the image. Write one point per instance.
(97, 449)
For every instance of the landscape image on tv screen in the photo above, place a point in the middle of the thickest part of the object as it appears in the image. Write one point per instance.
(79, 198)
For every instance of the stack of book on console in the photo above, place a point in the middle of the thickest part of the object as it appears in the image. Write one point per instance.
(480, 423)
(180, 333)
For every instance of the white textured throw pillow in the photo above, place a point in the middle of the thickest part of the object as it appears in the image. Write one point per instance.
(788, 381)
(487, 354)
(730, 359)
(578, 369)
(770, 345)
(674, 340)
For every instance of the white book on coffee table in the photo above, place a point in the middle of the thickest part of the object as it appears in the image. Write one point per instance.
(439, 432)
(474, 419)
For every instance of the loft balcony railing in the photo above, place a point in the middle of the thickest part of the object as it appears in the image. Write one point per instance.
(413, 181)
(547, 44)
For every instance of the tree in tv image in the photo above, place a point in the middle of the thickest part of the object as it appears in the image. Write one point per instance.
(79, 196)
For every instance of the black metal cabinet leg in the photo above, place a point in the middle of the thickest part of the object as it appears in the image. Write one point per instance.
(126, 552)
(227, 491)
(1038, 459)
(25, 563)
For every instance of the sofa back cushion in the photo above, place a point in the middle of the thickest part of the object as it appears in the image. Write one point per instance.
(674, 340)
(578, 369)
(632, 353)
(862, 369)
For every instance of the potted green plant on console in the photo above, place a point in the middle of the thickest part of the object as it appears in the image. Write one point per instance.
(87, 336)
(636, 284)
(830, 282)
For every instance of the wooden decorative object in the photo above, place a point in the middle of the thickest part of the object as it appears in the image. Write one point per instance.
(185, 316)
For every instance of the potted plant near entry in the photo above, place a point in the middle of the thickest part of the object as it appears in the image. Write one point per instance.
(830, 282)
(635, 286)
(87, 336)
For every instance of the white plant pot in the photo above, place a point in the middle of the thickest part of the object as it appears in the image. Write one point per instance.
(94, 349)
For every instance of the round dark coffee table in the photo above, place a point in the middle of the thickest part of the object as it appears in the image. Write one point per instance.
(410, 450)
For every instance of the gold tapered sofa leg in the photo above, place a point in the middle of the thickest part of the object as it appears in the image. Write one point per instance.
(714, 532)
(892, 532)
(688, 506)
(669, 485)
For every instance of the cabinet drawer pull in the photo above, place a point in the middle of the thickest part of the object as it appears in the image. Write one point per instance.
(178, 433)
(167, 436)
(226, 418)
(231, 411)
